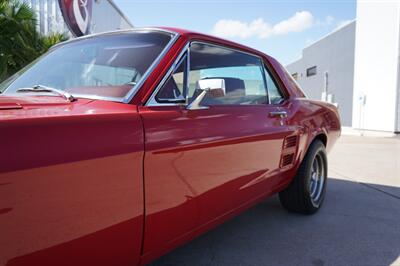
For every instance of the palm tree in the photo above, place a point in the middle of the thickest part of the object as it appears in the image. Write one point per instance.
(20, 42)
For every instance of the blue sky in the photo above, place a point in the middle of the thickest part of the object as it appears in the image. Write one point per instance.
(279, 28)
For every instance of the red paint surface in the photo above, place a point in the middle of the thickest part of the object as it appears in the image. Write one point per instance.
(80, 181)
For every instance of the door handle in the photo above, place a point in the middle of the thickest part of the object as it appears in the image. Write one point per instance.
(281, 114)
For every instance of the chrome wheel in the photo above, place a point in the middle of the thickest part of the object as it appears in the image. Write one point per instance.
(317, 180)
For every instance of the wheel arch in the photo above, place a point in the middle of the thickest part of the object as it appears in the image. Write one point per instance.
(320, 136)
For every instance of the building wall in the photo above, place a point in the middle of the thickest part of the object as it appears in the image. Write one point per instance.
(49, 16)
(377, 66)
(333, 54)
(105, 17)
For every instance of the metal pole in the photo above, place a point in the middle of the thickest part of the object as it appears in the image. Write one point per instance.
(326, 83)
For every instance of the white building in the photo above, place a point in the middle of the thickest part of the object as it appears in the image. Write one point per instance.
(326, 70)
(362, 64)
(105, 16)
(376, 95)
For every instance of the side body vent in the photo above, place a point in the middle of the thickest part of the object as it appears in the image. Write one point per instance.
(289, 142)
(287, 159)
(289, 148)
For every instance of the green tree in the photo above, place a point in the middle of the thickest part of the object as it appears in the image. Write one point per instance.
(20, 42)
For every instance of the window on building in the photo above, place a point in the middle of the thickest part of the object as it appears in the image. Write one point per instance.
(295, 76)
(311, 71)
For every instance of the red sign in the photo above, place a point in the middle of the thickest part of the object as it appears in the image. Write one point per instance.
(77, 14)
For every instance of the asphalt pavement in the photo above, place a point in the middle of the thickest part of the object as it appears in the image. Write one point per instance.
(359, 223)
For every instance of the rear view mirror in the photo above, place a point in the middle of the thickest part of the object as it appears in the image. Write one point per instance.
(212, 86)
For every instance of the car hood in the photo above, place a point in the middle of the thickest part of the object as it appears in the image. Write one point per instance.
(31, 107)
(8, 102)
(38, 131)
(14, 107)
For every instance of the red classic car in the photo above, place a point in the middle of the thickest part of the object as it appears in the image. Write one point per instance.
(117, 148)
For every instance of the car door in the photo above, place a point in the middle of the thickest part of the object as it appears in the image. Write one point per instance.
(203, 162)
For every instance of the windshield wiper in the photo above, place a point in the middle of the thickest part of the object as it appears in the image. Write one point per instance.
(41, 88)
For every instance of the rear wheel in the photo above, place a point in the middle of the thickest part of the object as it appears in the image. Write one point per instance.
(307, 191)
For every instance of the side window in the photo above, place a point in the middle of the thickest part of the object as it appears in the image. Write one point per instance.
(274, 94)
(173, 88)
(236, 77)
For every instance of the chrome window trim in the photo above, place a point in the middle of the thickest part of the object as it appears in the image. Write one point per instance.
(152, 100)
(228, 48)
(132, 92)
(263, 71)
(278, 87)
(187, 81)
(113, 32)
(97, 97)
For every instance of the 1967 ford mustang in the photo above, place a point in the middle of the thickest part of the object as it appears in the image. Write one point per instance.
(117, 148)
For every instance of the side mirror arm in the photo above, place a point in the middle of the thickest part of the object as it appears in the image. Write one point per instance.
(196, 103)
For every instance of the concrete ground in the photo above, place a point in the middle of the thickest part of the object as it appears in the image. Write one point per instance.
(359, 223)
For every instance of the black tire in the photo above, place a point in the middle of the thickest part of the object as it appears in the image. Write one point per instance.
(301, 195)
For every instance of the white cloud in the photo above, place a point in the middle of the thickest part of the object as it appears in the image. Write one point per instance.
(261, 29)
(328, 21)
(236, 28)
(297, 23)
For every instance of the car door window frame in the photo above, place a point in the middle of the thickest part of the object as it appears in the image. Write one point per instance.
(186, 53)
(277, 85)
(153, 98)
(185, 61)
(280, 85)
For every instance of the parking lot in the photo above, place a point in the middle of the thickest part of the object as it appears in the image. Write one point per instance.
(359, 223)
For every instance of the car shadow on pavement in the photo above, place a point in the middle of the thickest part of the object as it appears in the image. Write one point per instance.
(359, 224)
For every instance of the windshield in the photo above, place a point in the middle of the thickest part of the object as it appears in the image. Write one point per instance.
(106, 65)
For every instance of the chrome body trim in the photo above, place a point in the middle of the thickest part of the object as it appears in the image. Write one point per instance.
(228, 48)
(280, 114)
(152, 100)
(187, 81)
(112, 33)
(263, 71)
(97, 97)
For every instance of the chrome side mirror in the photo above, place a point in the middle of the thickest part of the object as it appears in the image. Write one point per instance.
(214, 86)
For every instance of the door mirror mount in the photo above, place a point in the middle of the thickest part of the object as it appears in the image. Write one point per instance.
(196, 103)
